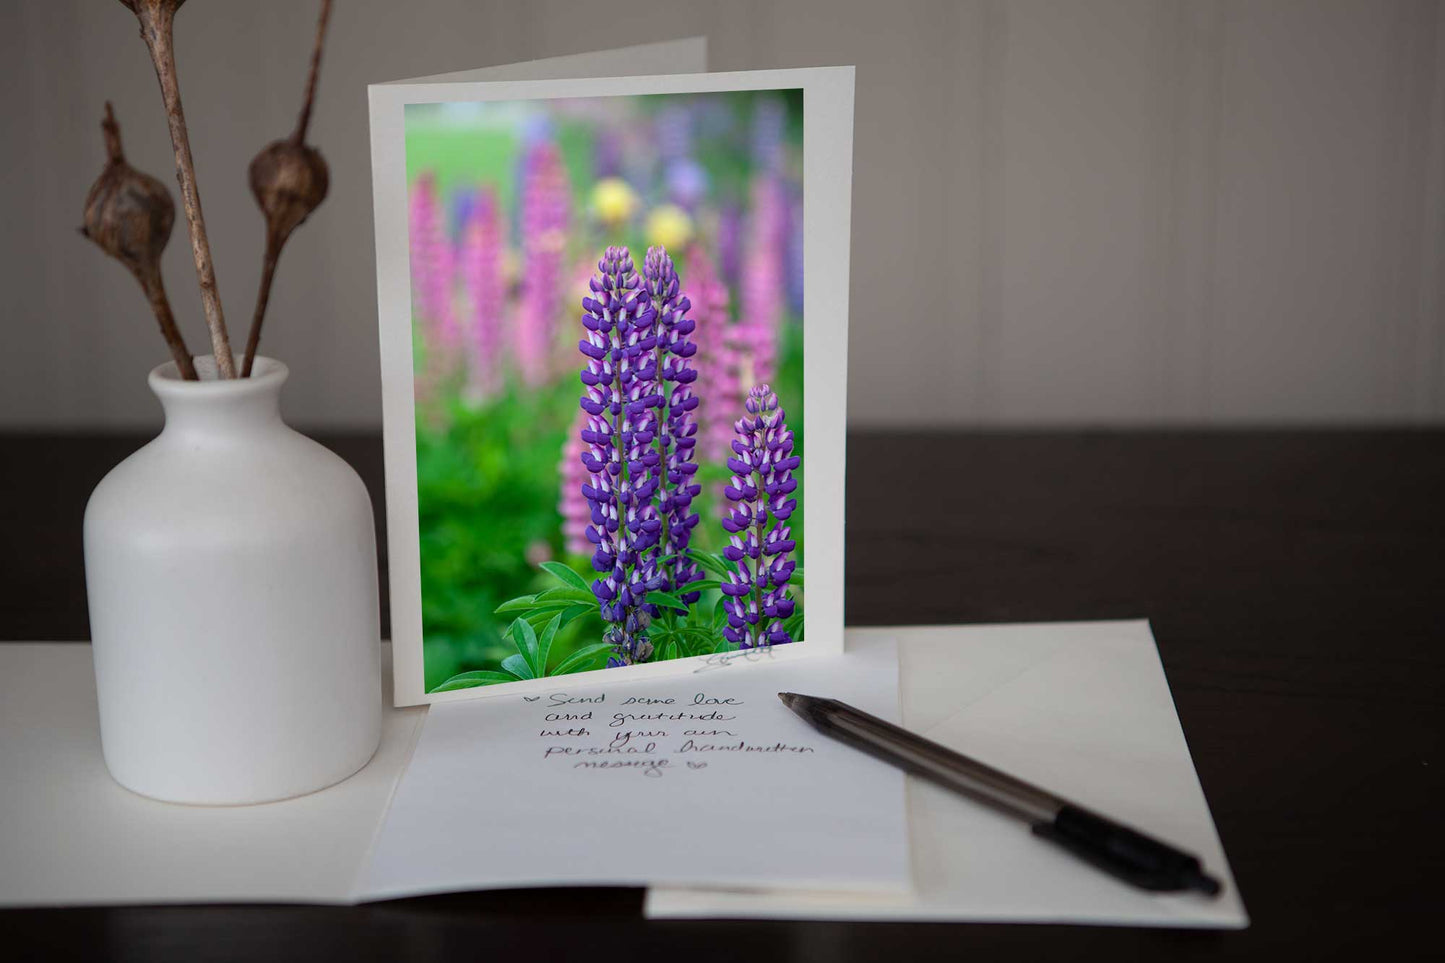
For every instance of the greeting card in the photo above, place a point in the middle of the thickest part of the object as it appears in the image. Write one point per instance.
(613, 316)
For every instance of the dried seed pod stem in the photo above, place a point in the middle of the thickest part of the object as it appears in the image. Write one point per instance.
(157, 30)
(289, 181)
(129, 215)
(304, 121)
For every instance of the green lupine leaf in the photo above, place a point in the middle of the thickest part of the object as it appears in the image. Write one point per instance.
(469, 680)
(526, 638)
(539, 612)
(719, 613)
(702, 585)
(555, 605)
(694, 631)
(665, 600)
(517, 665)
(669, 651)
(566, 575)
(451, 685)
(794, 626)
(579, 660)
(723, 645)
(517, 604)
(544, 643)
(567, 593)
(712, 563)
(574, 612)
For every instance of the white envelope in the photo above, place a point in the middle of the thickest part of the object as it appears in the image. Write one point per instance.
(1082, 709)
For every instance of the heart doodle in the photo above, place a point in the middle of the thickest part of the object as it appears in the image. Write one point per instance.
(531, 698)
(696, 765)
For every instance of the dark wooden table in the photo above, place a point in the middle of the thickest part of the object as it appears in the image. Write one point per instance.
(1296, 584)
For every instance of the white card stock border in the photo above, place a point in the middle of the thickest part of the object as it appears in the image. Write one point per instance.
(827, 191)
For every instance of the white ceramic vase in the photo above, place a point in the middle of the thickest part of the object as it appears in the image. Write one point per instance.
(231, 572)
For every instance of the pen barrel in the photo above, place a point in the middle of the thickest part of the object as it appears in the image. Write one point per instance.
(938, 764)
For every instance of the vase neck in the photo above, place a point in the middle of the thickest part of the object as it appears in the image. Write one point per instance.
(216, 409)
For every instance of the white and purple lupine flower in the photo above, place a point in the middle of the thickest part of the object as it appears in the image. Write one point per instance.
(676, 422)
(545, 206)
(760, 495)
(622, 462)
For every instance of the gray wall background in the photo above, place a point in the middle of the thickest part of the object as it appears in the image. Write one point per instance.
(1113, 212)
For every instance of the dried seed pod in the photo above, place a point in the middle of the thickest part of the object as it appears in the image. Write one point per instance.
(129, 215)
(289, 180)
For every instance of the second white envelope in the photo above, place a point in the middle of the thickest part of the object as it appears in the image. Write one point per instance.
(1082, 709)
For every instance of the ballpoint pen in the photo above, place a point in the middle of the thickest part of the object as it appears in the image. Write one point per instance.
(1114, 848)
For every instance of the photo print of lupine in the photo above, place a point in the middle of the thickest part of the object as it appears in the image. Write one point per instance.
(607, 338)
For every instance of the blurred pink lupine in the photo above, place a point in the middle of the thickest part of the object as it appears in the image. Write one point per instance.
(546, 202)
(762, 282)
(481, 269)
(571, 503)
(718, 387)
(432, 268)
(730, 242)
(574, 288)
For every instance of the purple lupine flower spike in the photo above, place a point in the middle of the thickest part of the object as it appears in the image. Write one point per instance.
(676, 420)
(621, 462)
(756, 596)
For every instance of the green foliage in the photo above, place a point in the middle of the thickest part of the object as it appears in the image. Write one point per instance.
(530, 659)
(680, 630)
(487, 500)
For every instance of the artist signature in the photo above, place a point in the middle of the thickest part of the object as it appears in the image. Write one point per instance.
(721, 660)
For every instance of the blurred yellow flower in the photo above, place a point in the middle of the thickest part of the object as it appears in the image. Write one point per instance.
(669, 226)
(613, 201)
